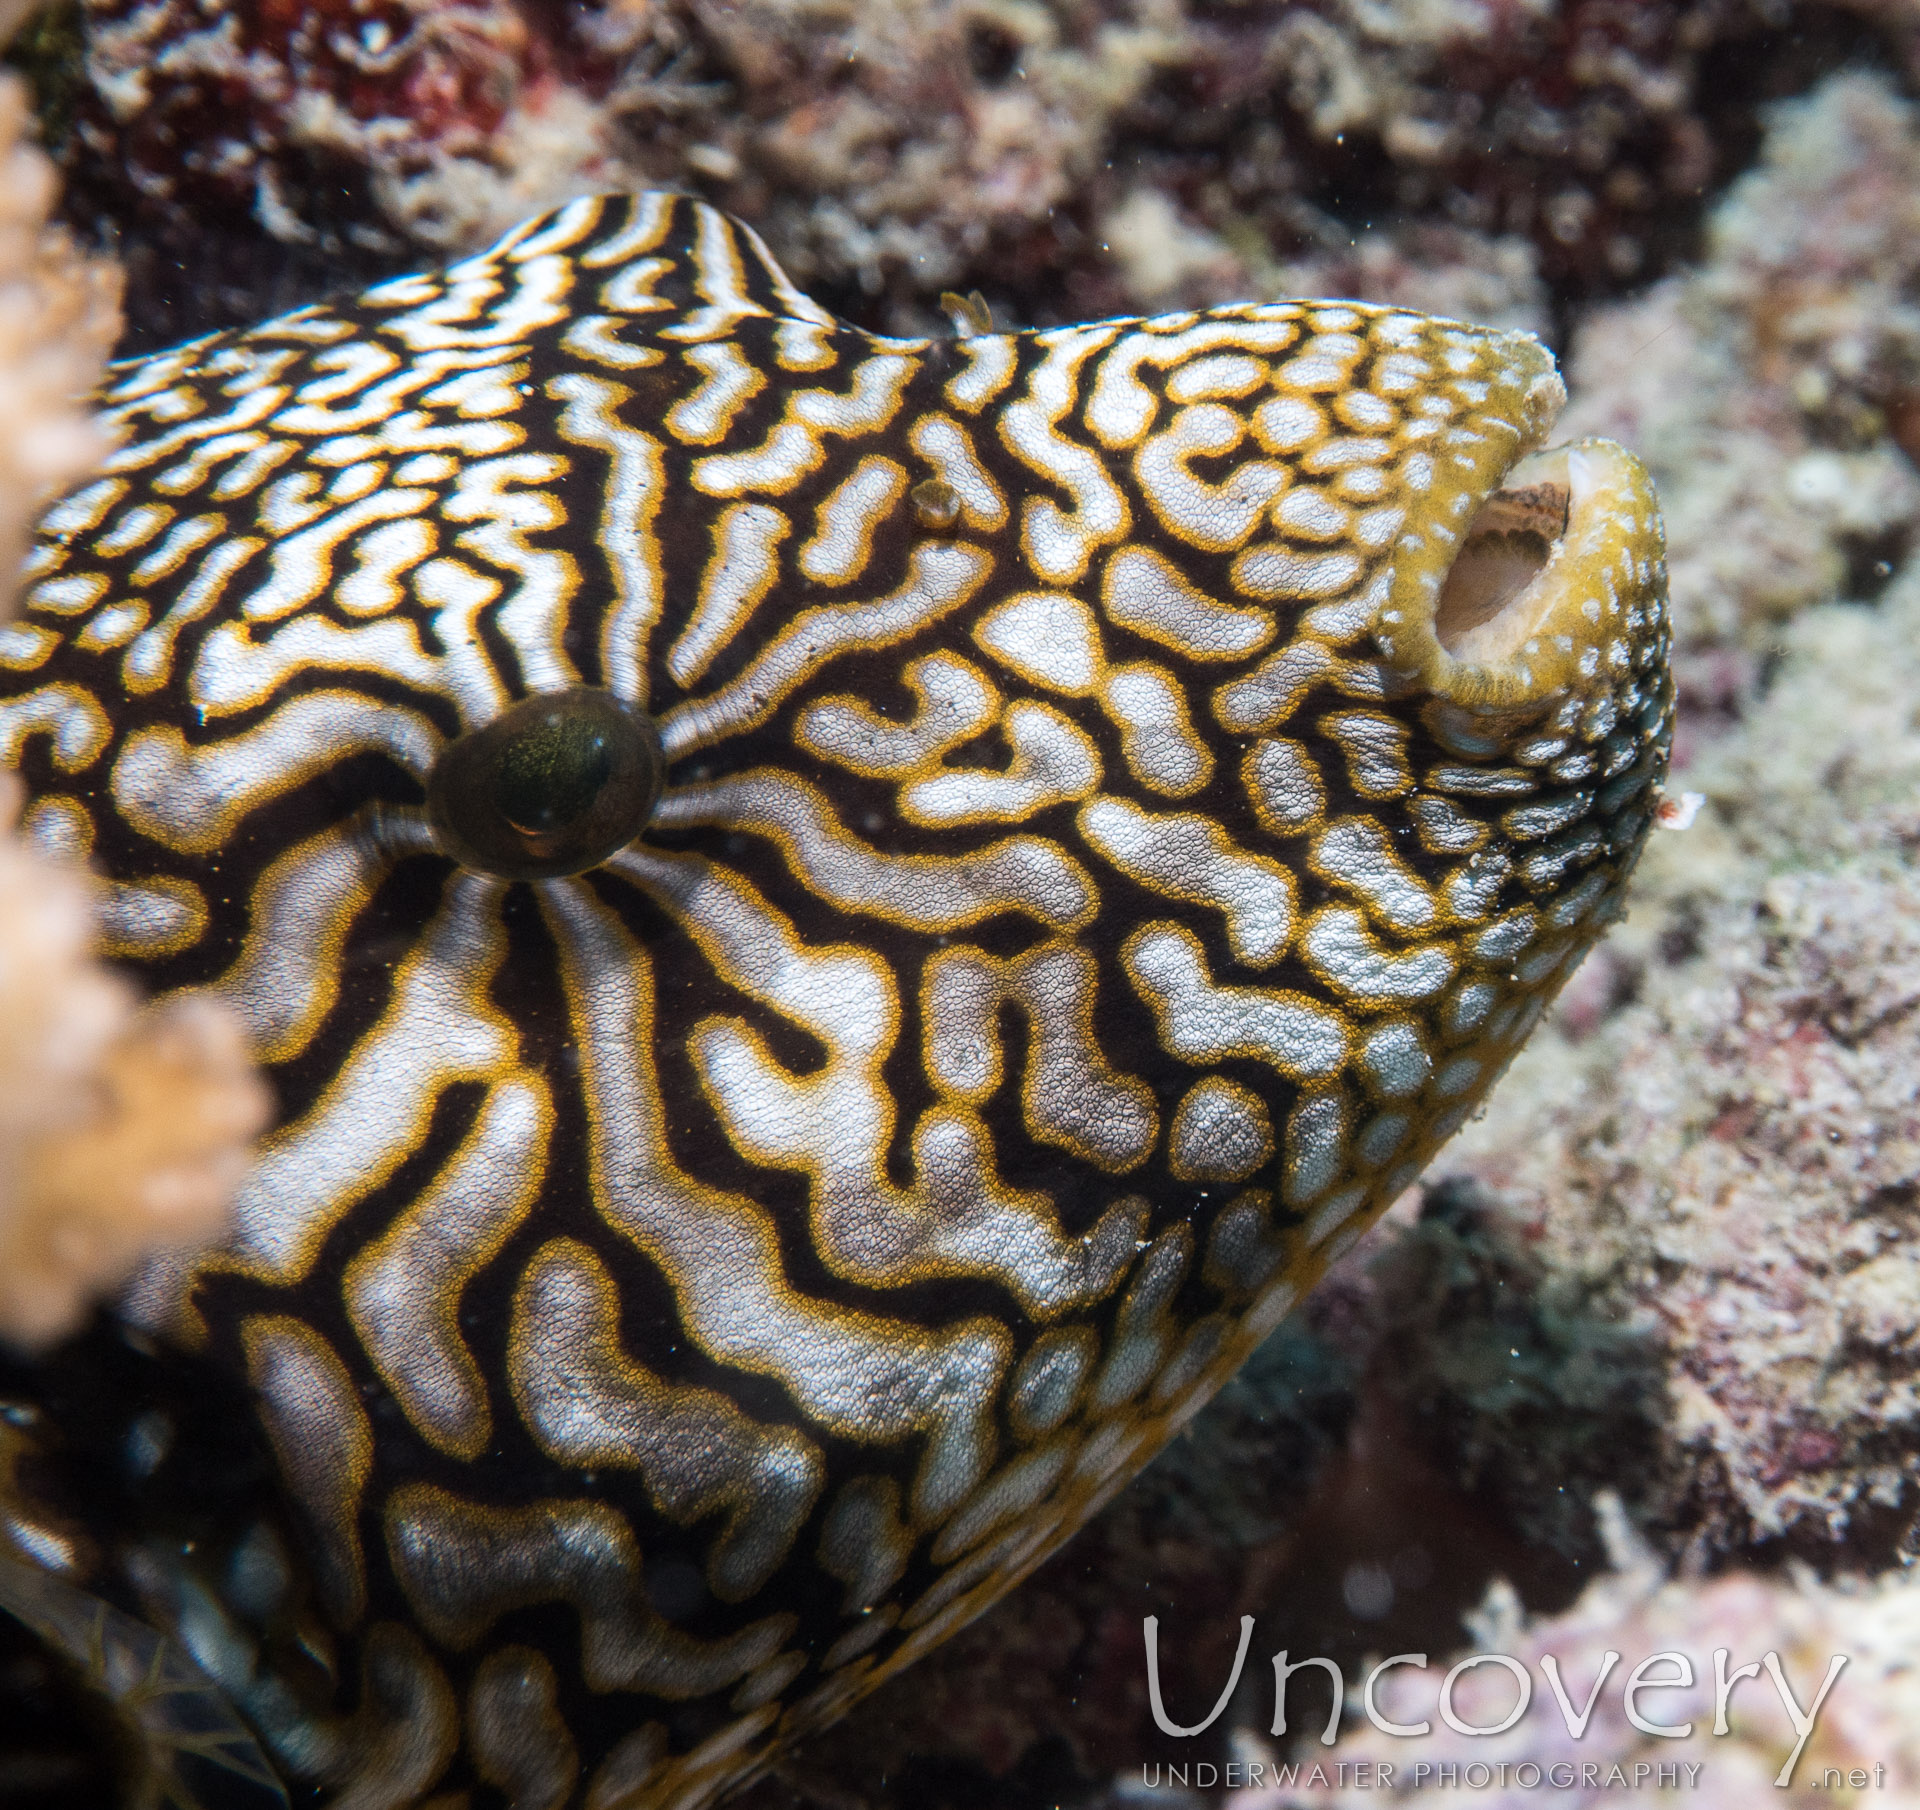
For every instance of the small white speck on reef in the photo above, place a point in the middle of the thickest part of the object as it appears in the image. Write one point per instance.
(1677, 811)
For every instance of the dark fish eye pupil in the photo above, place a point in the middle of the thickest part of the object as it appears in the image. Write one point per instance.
(552, 786)
(551, 774)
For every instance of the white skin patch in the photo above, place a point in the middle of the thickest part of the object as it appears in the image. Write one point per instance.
(287, 975)
(1283, 785)
(1221, 1132)
(321, 1437)
(1192, 858)
(1053, 761)
(863, 1542)
(804, 345)
(519, 1738)
(1376, 751)
(1145, 592)
(60, 827)
(1004, 1497)
(1202, 1023)
(727, 384)
(532, 613)
(462, 1565)
(955, 703)
(437, 1030)
(1284, 424)
(1312, 514)
(1505, 938)
(843, 538)
(1470, 1005)
(1363, 410)
(1268, 695)
(865, 407)
(1459, 1076)
(591, 1405)
(1315, 1151)
(789, 452)
(1058, 543)
(635, 484)
(134, 529)
(1141, 1337)
(1047, 638)
(739, 574)
(191, 798)
(1242, 1249)
(456, 594)
(945, 446)
(1343, 953)
(1278, 573)
(112, 627)
(596, 339)
(1355, 854)
(403, 1291)
(152, 920)
(69, 595)
(1047, 1384)
(1473, 891)
(1530, 822)
(1223, 376)
(26, 645)
(1156, 733)
(1380, 1137)
(990, 366)
(1338, 455)
(1444, 830)
(183, 540)
(1214, 517)
(1396, 1060)
(382, 558)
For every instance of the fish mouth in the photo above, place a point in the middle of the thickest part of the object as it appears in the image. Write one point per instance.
(1525, 598)
(1501, 584)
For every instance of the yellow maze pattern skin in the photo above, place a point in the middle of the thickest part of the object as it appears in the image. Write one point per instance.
(1124, 793)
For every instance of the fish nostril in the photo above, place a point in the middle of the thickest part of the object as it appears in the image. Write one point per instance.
(1484, 612)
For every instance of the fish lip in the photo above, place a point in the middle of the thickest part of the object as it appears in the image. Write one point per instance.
(1546, 636)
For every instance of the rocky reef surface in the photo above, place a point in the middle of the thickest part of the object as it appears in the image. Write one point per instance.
(1069, 158)
(1676, 1265)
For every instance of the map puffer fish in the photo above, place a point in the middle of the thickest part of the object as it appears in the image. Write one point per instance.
(841, 926)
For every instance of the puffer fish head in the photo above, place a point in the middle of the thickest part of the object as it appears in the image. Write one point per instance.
(841, 925)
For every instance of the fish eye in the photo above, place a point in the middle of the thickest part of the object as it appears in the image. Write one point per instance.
(551, 787)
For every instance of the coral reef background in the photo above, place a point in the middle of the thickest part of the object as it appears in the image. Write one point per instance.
(1506, 158)
(1679, 1257)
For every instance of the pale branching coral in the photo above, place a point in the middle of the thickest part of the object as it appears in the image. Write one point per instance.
(122, 1130)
